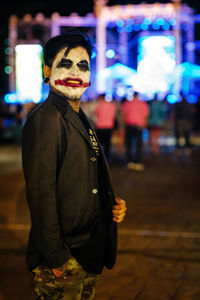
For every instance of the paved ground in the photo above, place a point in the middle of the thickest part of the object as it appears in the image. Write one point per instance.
(159, 242)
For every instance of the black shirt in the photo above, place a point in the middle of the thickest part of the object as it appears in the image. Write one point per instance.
(91, 255)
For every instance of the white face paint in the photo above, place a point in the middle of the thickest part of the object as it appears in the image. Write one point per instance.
(70, 74)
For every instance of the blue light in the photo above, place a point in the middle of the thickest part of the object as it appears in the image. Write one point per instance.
(155, 26)
(166, 26)
(130, 22)
(172, 99)
(136, 27)
(192, 99)
(120, 23)
(144, 26)
(93, 54)
(120, 29)
(147, 21)
(10, 98)
(111, 25)
(172, 22)
(110, 53)
(129, 28)
(160, 21)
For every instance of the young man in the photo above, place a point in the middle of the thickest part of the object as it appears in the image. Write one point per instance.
(69, 192)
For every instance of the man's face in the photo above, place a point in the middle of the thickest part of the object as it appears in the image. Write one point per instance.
(70, 74)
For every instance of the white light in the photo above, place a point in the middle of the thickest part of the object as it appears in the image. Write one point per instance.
(156, 64)
(110, 53)
(28, 72)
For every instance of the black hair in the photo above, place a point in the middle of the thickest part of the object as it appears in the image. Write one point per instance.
(71, 39)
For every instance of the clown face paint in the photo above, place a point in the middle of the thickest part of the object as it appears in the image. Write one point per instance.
(70, 74)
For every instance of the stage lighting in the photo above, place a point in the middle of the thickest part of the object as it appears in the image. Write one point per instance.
(130, 22)
(110, 53)
(128, 28)
(172, 99)
(8, 69)
(120, 23)
(136, 27)
(166, 26)
(172, 22)
(144, 26)
(192, 99)
(10, 98)
(155, 26)
(160, 21)
(147, 21)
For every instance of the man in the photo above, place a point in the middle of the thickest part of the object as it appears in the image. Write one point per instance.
(72, 205)
(136, 113)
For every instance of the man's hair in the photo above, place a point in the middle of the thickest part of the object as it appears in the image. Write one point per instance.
(70, 40)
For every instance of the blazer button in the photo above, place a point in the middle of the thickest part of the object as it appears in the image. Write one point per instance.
(94, 191)
(93, 158)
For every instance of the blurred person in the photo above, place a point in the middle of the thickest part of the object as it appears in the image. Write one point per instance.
(74, 212)
(183, 113)
(135, 113)
(156, 120)
(105, 119)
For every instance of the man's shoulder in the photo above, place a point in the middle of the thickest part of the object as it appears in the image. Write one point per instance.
(44, 111)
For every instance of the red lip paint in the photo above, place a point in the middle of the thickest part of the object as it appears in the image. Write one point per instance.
(77, 82)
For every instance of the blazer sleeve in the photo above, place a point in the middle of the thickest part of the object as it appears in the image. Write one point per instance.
(40, 142)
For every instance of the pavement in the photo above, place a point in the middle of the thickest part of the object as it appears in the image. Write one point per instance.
(159, 241)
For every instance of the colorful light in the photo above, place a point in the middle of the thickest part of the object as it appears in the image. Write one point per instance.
(29, 80)
(110, 53)
(156, 64)
(172, 99)
(8, 69)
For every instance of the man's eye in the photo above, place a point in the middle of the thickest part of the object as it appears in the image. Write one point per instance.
(64, 63)
(83, 66)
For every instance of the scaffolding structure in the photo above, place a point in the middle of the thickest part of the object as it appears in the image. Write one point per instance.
(99, 20)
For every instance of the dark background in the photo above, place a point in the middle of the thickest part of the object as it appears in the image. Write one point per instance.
(65, 8)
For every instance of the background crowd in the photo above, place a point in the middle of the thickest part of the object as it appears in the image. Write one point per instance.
(127, 127)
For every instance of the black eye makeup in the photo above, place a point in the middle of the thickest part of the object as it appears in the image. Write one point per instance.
(65, 63)
(83, 65)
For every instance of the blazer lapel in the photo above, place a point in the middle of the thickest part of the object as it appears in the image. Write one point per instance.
(69, 114)
(74, 119)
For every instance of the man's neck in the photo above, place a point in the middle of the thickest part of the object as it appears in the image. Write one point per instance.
(74, 104)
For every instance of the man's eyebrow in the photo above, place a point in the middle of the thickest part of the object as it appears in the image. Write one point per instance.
(84, 61)
(65, 60)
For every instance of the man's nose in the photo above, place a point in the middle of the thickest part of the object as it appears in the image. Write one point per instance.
(74, 70)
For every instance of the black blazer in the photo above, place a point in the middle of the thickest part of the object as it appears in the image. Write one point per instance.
(60, 170)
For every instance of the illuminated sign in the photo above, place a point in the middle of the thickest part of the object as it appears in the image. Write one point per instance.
(156, 63)
(28, 63)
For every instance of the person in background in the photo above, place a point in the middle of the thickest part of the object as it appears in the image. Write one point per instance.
(135, 113)
(182, 115)
(155, 123)
(105, 118)
(74, 212)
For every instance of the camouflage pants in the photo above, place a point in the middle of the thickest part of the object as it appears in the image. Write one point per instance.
(74, 284)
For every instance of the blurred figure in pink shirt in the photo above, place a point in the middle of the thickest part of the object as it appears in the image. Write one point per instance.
(136, 113)
(105, 117)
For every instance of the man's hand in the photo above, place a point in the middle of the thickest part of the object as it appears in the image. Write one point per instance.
(119, 210)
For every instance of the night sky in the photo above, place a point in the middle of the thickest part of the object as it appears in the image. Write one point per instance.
(65, 8)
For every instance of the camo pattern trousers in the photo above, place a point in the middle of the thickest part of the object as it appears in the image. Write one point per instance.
(74, 284)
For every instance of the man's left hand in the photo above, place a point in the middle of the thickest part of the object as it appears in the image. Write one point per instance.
(119, 210)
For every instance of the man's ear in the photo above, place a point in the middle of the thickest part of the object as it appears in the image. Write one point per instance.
(47, 73)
